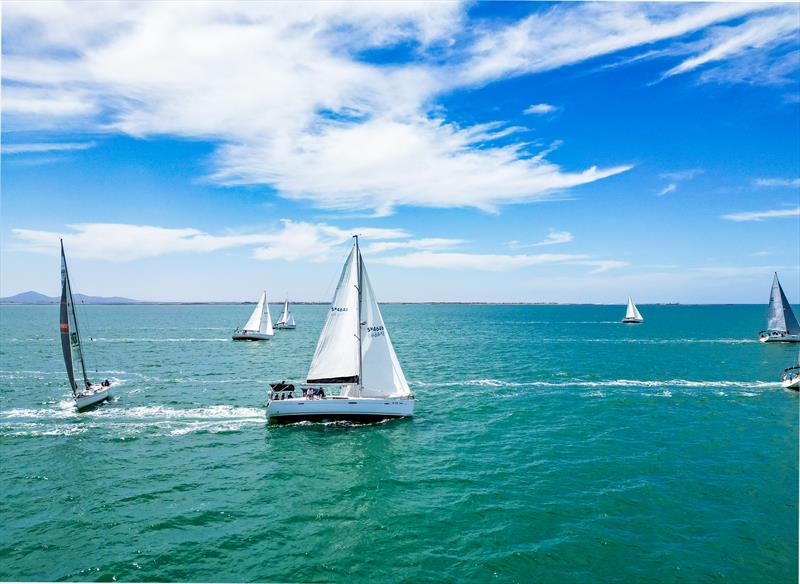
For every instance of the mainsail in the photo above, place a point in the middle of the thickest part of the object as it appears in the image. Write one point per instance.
(632, 311)
(68, 325)
(260, 321)
(354, 346)
(781, 317)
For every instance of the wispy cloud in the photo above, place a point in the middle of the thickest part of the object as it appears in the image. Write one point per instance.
(670, 188)
(46, 147)
(540, 109)
(431, 243)
(124, 242)
(476, 261)
(761, 215)
(329, 127)
(777, 182)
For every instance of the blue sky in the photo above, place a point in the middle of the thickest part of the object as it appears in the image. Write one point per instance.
(484, 151)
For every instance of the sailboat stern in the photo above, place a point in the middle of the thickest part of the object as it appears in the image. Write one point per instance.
(94, 395)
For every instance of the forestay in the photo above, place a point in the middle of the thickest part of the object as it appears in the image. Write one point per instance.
(781, 317)
(337, 355)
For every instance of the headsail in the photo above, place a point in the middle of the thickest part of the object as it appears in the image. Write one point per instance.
(781, 317)
(380, 370)
(337, 355)
(68, 325)
(632, 311)
(260, 321)
(286, 318)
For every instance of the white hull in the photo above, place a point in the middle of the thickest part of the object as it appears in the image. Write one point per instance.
(779, 338)
(791, 383)
(248, 336)
(632, 320)
(363, 409)
(94, 395)
(287, 327)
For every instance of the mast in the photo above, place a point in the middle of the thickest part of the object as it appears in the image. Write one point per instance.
(358, 326)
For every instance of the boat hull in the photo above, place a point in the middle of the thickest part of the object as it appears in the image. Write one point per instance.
(93, 396)
(286, 327)
(251, 337)
(791, 383)
(779, 338)
(632, 320)
(360, 409)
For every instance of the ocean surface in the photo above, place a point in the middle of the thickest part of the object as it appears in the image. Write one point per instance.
(551, 444)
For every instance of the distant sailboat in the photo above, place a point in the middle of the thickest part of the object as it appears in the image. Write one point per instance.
(286, 319)
(259, 326)
(632, 315)
(355, 355)
(90, 393)
(791, 376)
(782, 325)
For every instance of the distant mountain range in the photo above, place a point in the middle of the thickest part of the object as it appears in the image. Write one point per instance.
(32, 297)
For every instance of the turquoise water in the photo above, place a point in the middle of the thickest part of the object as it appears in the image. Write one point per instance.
(551, 444)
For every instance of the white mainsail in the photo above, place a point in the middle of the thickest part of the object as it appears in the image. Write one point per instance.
(632, 311)
(260, 321)
(336, 359)
(381, 375)
(781, 317)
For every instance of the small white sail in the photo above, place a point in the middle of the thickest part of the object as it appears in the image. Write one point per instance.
(260, 321)
(381, 373)
(284, 317)
(336, 357)
(290, 321)
(632, 312)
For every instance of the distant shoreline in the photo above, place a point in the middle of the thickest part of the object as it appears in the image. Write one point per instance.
(446, 303)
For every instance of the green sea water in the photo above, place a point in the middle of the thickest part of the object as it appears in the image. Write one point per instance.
(550, 444)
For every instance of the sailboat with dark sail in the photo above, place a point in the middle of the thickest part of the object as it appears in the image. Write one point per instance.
(84, 391)
(782, 326)
(354, 374)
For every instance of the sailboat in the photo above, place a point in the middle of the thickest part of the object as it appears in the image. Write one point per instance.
(354, 356)
(286, 319)
(632, 314)
(791, 376)
(89, 393)
(259, 325)
(782, 325)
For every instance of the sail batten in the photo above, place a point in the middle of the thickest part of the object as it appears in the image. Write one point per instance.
(781, 317)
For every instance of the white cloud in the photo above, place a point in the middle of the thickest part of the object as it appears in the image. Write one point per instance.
(601, 266)
(123, 242)
(728, 41)
(540, 108)
(475, 261)
(761, 215)
(431, 243)
(670, 188)
(46, 147)
(681, 175)
(555, 237)
(572, 33)
(777, 182)
(285, 93)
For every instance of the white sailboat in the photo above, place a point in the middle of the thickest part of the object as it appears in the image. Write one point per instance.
(791, 376)
(90, 393)
(354, 356)
(782, 326)
(632, 314)
(286, 319)
(259, 326)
